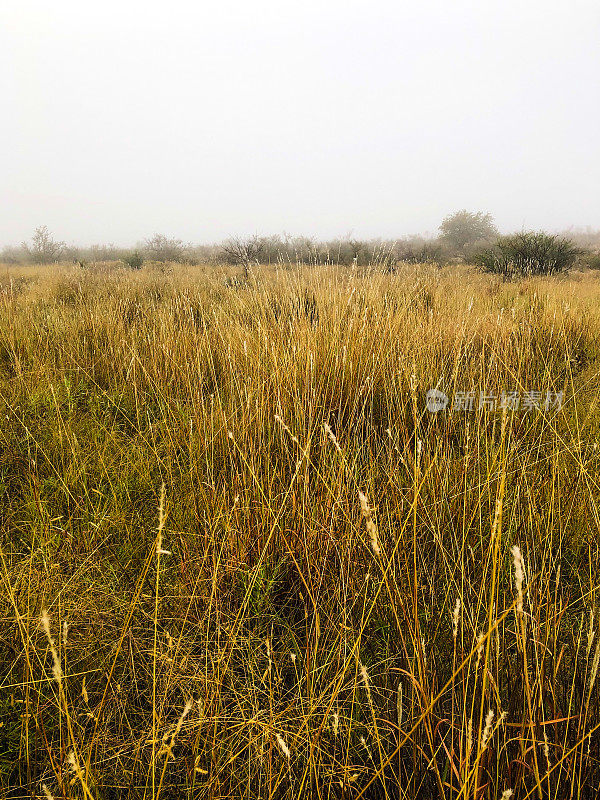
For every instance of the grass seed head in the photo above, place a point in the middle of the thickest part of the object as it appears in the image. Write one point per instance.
(283, 746)
(369, 523)
(455, 618)
(519, 576)
(487, 730)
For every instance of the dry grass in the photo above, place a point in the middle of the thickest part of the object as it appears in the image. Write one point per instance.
(336, 594)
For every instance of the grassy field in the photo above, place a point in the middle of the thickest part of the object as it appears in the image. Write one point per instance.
(239, 558)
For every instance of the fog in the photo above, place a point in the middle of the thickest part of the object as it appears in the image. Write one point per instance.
(204, 120)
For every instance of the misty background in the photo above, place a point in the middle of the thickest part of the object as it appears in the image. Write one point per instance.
(357, 119)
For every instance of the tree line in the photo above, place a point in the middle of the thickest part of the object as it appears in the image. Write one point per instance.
(463, 236)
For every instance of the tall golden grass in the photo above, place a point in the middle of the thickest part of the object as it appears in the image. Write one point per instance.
(239, 558)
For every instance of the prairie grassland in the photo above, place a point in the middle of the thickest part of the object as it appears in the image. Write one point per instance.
(239, 558)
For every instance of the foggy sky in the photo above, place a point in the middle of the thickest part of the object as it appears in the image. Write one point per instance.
(207, 119)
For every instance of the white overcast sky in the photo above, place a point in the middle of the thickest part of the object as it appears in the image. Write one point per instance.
(205, 119)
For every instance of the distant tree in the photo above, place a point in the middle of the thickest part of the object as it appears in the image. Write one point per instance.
(243, 251)
(588, 259)
(134, 260)
(11, 255)
(356, 249)
(104, 252)
(161, 248)
(421, 251)
(528, 253)
(43, 249)
(465, 228)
